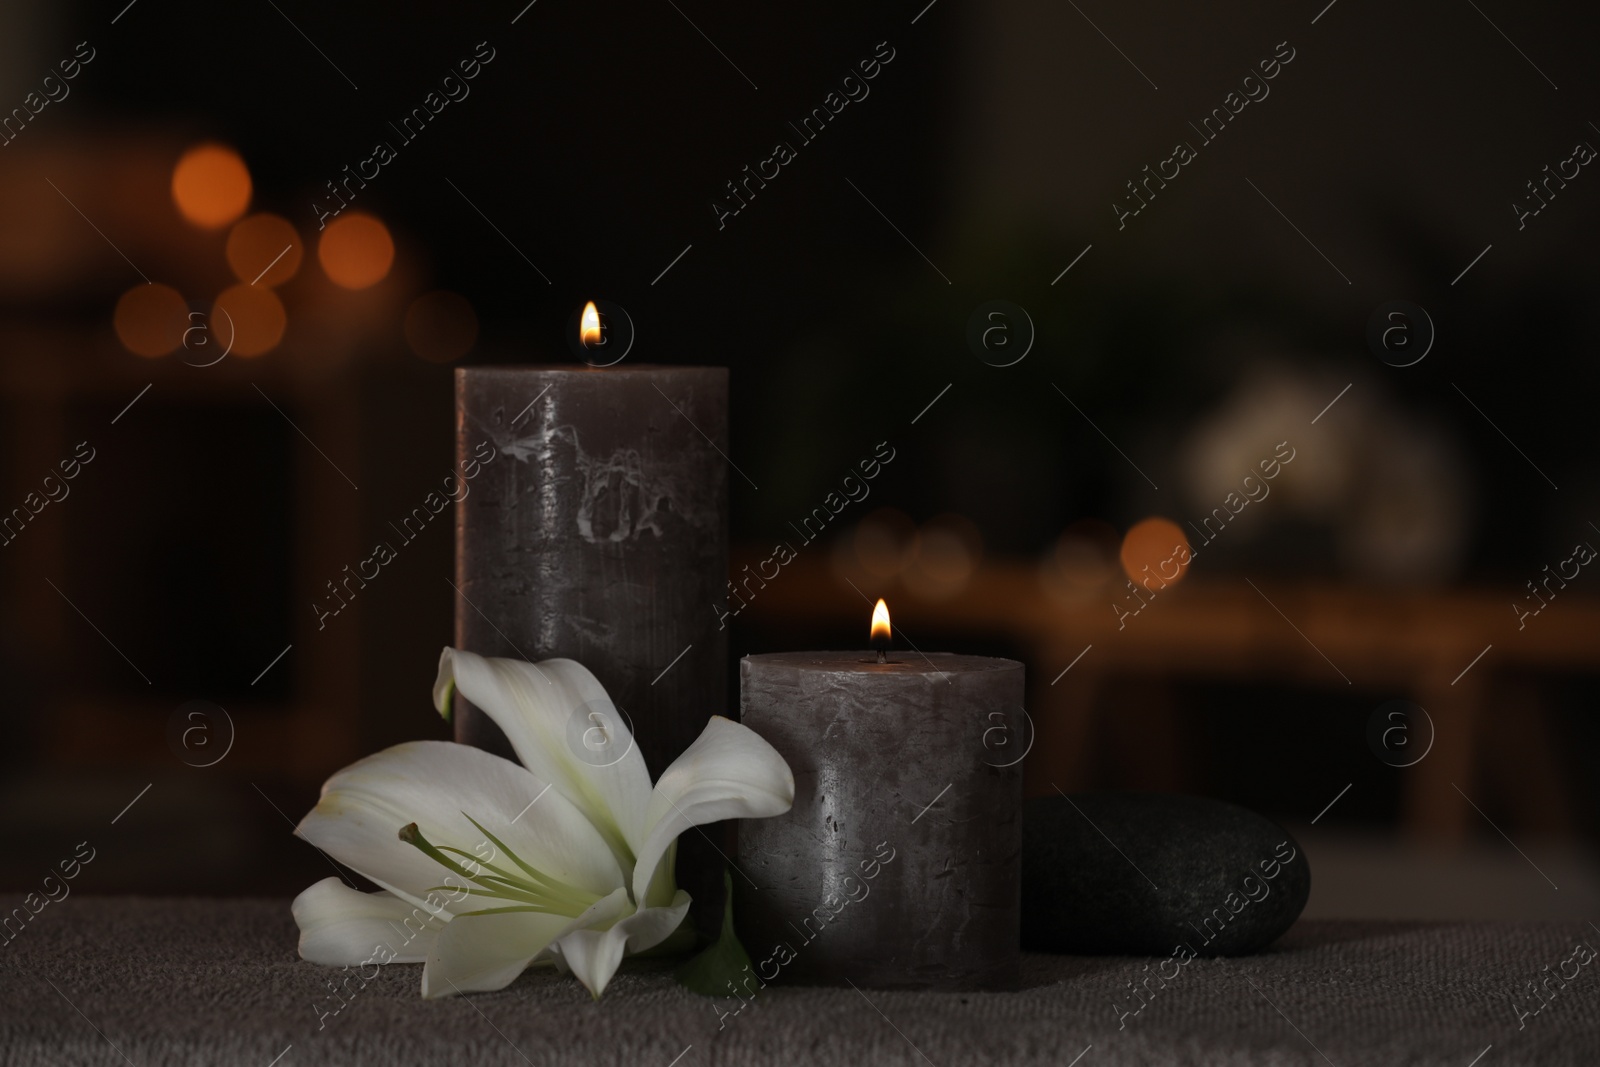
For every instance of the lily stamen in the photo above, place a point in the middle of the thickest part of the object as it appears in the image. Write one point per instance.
(594, 880)
(502, 884)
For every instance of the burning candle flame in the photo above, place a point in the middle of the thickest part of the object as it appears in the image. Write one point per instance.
(589, 326)
(880, 623)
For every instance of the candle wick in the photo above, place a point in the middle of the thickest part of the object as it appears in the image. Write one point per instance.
(881, 657)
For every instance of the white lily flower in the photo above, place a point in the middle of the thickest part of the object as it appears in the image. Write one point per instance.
(488, 866)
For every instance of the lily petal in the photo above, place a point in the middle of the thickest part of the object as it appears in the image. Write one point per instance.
(482, 953)
(729, 772)
(343, 927)
(431, 783)
(565, 729)
(593, 956)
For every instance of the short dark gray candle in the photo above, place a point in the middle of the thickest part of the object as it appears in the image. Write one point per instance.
(898, 865)
(599, 532)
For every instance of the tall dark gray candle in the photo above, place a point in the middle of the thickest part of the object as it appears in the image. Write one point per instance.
(598, 532)
(898, 865)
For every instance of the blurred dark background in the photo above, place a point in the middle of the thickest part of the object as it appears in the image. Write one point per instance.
(140, 213)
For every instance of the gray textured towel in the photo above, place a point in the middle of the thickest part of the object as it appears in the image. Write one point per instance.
(115, 981)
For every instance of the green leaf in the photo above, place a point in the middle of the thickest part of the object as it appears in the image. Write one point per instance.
(723, 961)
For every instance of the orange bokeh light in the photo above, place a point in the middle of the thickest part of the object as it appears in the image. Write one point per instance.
(944, 555)
(441, 327)
(356, 251)
(264, 250)
(150, 319)
(211, 185)
(1159, 545)
(247, 320)
(882, 542)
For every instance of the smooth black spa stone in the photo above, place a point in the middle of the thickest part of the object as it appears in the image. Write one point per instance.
(1149, 873)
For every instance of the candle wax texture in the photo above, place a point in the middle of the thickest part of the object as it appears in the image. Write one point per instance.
(599, 532)
(898, 865)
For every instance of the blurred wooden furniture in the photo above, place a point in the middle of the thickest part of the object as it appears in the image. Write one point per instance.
(1451, 651)
(89, 722)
